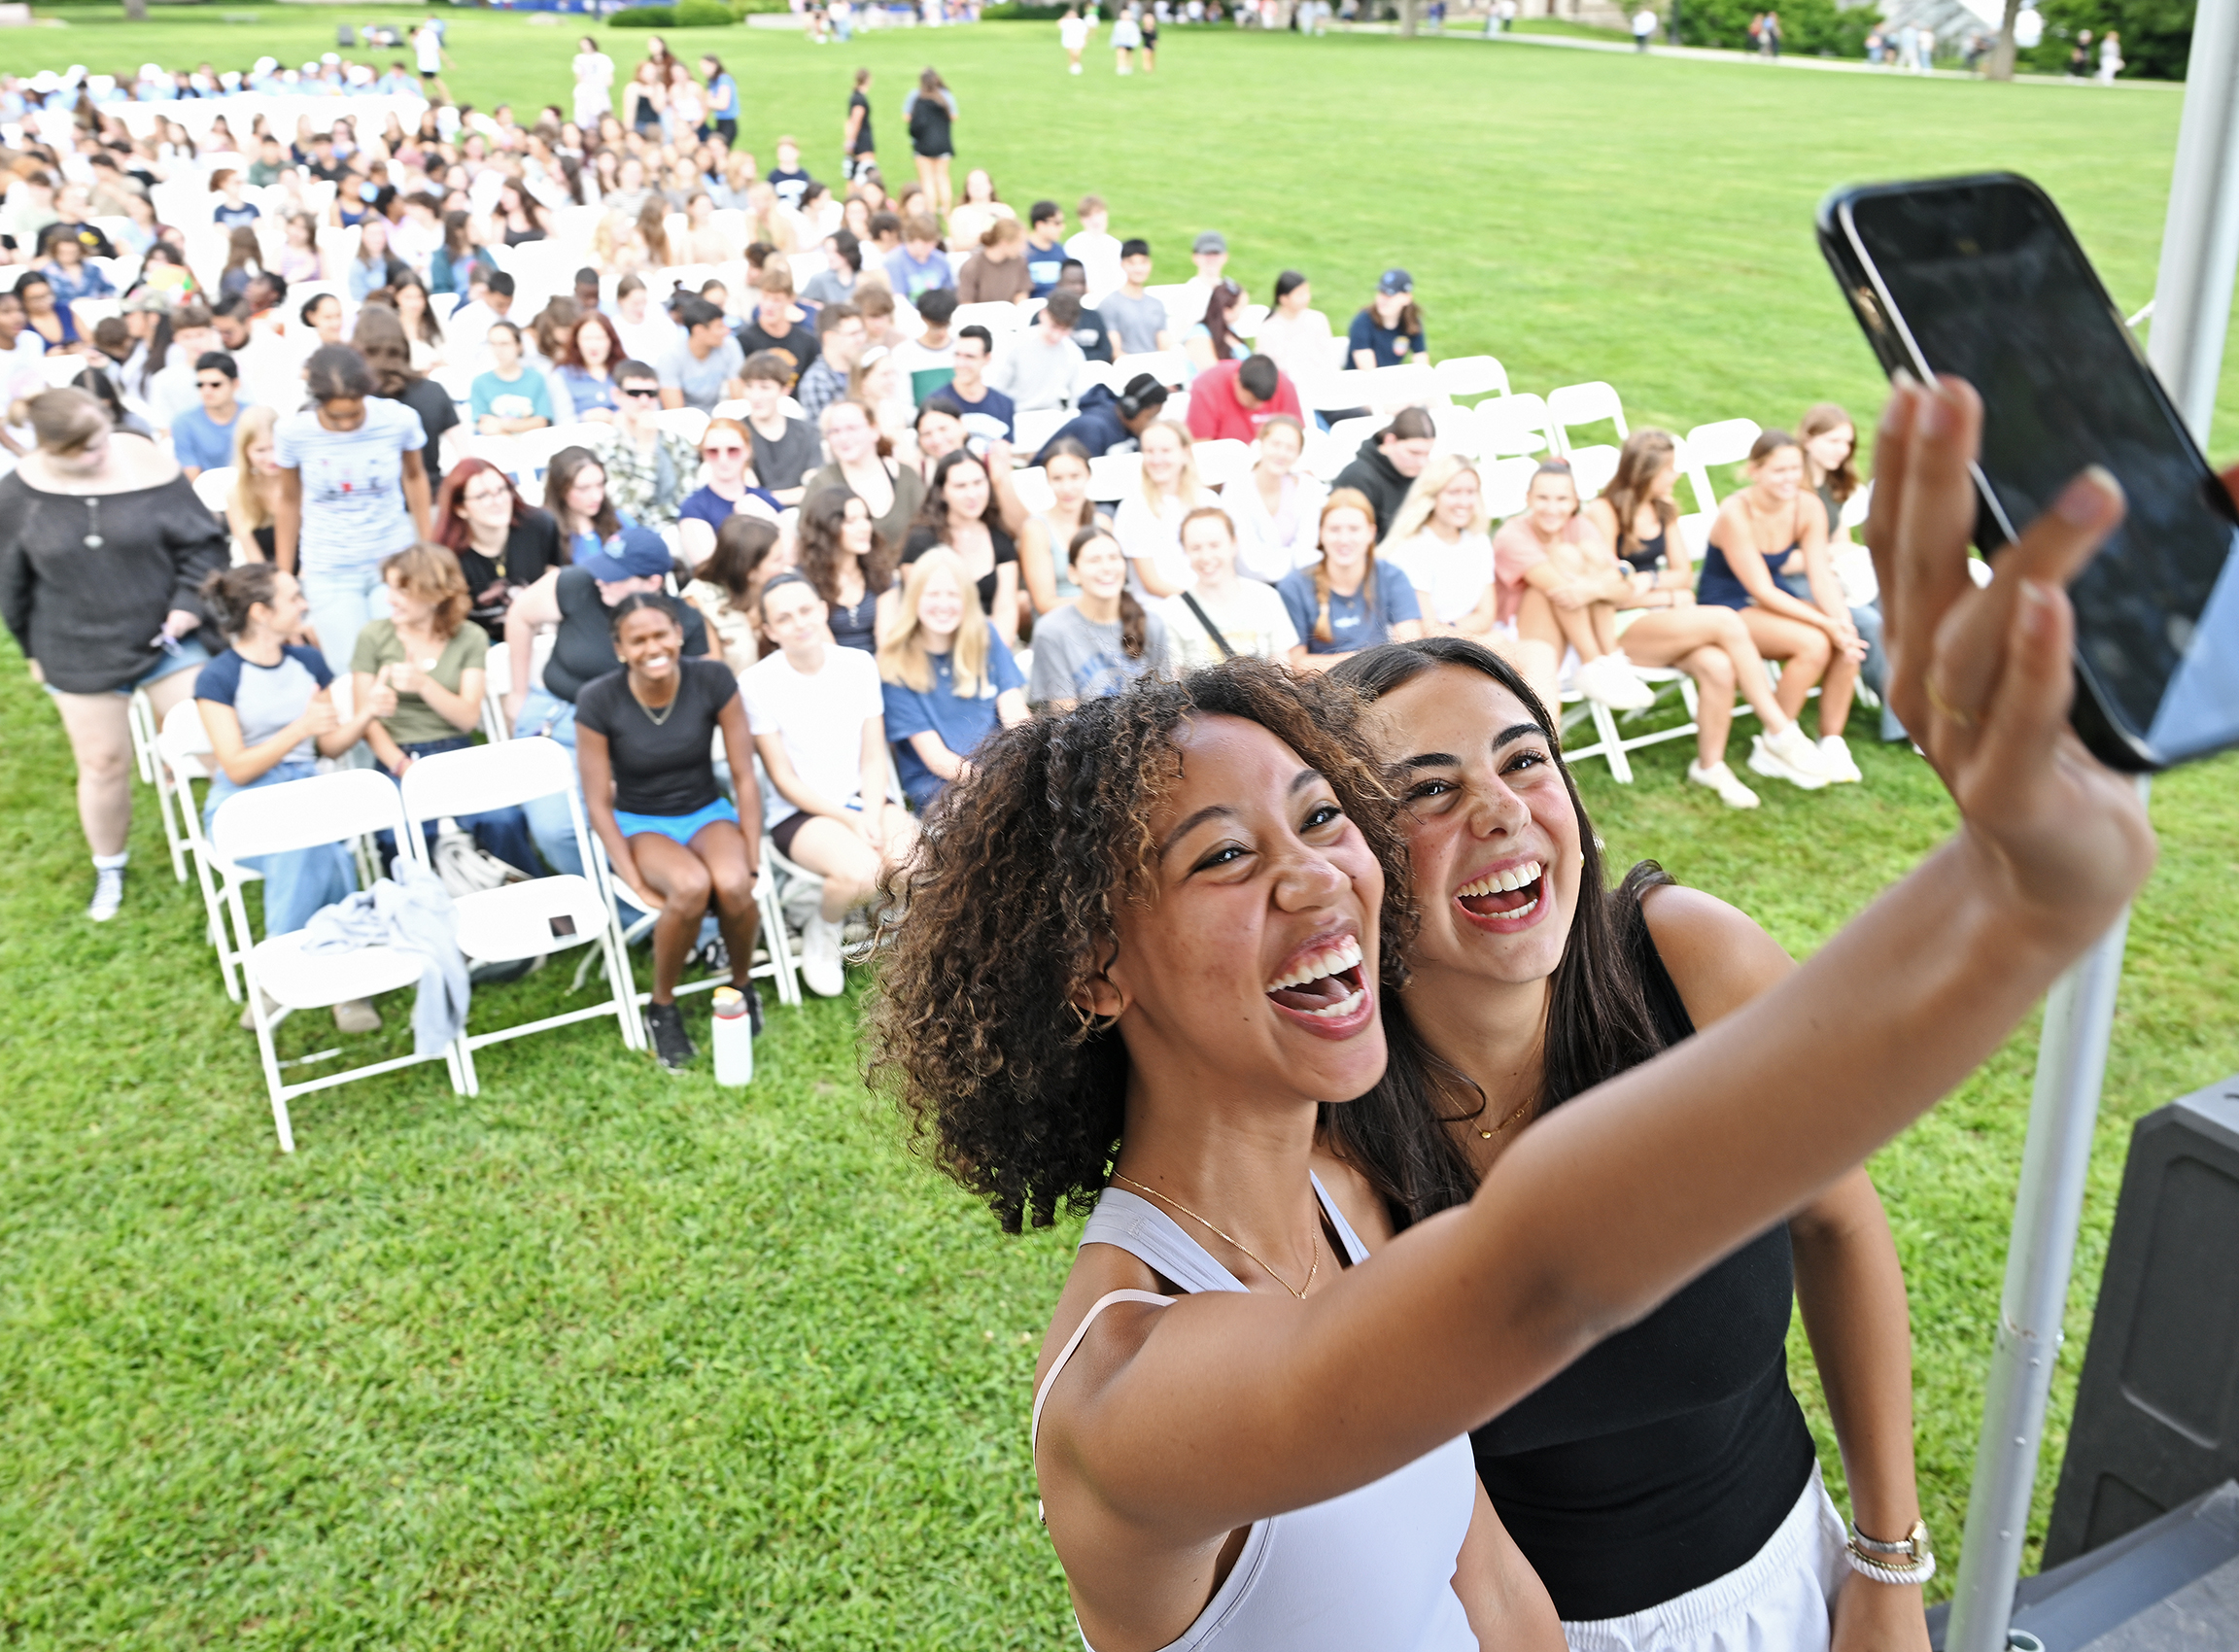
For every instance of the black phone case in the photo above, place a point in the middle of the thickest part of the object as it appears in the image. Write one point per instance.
(2102, 730)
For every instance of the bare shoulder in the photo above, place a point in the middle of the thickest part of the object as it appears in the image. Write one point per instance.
(145, 465)
(1718, 955)
(1359, 1203)
(1098, 1270)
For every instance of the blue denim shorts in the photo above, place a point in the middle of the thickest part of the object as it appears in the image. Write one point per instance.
(190, 656)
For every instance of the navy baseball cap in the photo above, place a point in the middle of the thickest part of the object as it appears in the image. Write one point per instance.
(635, 553)
(1395, 281)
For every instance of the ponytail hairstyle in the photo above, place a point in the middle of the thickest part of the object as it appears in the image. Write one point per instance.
(1342, 499)
(1410, 424)
(1400, 1135)
(339, 373)
(231, 591)
(1641, 460)
(638, 600)
(1134, 626)
(1068, 447)
(1818, 419)
(1769, 443)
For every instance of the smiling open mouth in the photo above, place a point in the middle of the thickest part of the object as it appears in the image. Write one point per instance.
(1513, 893)
(1326, 984)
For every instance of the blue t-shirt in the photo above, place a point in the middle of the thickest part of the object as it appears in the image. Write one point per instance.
(227, 217)
(992, 405)
(199, 440)
(722, 98)
(706, 504)
(589, 392)
(962, 724)
(1353, 623)
(907, 277)
(353, 508)
(266, 698)
(1367, 334)
(1044, 264)
(524, 398)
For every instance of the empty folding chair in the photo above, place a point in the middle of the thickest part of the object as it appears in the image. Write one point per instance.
(1459, 376)
(1592, 468)
(302, 815)
(1113, 476)
(690, 423)
(1031, 430)
(183, 757)
(1031, 488)
(997, 317)
(1221, 462)
(1579, 404)
(1726, 442)
(1456, 430)
(1170, 368)
(1349, 433)
(1506, 483)
(140, 724)
(521, 920)
(214, 486)
(1513, 424)
(1610, 744)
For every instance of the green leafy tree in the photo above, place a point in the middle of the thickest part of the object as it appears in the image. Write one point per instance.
(2156, 35)
(1809, 28)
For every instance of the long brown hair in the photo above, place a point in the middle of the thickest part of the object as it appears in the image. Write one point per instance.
(1342, 499)
(1818, 419)
(451, 507)
(821, 514)
(1134, 628)
(1400, 1134)
(432, 573)
(567, 465)
(1640, 462)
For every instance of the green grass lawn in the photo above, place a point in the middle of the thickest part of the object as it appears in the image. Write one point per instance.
(608, 1358)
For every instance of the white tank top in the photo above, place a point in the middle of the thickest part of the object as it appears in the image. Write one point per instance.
(1372, 1567)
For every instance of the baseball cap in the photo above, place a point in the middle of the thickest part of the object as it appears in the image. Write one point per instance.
(635, 553)
(147, 302)
(1395, 281)
(1211, 241)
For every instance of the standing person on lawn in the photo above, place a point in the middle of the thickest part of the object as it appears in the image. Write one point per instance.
(860, 154)
(1664, 1487)
(103, 552)
(644, 740)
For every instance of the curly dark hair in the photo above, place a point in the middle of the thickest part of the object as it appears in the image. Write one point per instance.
(1012, 902)
(822, 553)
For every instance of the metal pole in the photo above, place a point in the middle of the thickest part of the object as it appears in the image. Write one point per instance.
(2191, 310)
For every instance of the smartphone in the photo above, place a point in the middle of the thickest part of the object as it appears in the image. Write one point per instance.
(1981, 277)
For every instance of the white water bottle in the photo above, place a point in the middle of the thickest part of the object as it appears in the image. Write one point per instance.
(734, 1034)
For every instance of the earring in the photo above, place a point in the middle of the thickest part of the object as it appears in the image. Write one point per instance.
(1091, 1025)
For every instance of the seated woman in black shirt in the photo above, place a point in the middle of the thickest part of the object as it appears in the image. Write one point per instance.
(643, 739)
(1667, 1477)
(960, 511)
(502, 542)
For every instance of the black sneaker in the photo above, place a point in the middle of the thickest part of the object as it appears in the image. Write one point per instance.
(753, 1007)
(672, 1047)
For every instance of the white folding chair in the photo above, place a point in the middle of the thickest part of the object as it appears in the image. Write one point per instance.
(1470, 375)
(1506, 483)
(214, 486)
(1514, 425)
(1031, 488)
(1222, 462)
(997, 317)
(1575, 404)
(1349, 433)
(183, 757)
(1592, 468)
(1033, 428)
(1610, 744)
(1387, 390)
(1170, 368)
(521, 920)
(1113, 476)
(1456, 430)
(140, 723)
(302, 814)
(690, 423)
(1726, 442)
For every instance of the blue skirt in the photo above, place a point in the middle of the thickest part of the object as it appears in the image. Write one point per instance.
(677, 828)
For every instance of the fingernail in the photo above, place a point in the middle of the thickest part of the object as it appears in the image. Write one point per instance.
(2089, 498)
(2036, 607)
(1935, 419)
(1897, 412)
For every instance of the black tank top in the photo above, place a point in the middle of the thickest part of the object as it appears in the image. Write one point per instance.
(1668, 1455)
(1645, 557)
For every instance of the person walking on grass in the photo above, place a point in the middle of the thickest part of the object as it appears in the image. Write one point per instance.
(1643, 28)
(1073, 36)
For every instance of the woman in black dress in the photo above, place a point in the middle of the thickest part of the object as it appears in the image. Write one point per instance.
(1668, 1477)
(103, 551)
(932, 112)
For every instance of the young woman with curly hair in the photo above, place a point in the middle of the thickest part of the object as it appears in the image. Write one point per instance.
(1146, 943)
(850, 562)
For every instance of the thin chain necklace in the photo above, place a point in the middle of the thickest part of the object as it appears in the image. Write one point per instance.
(1487, 1135)
(663, 715)
(1298, 1291)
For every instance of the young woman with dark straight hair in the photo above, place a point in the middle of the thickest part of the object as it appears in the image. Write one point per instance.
(1667, 1477)
(1146, 946)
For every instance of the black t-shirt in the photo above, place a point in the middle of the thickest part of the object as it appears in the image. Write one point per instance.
(532, 546)
(797, 346)
(783, 462)
(863, 144)
(930, 119)
(923, 540)
(1093, 336)
(583, 648)
(666, 768)
(437, 414)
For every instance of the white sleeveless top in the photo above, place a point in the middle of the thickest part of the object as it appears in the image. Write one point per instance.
(1372, 1567)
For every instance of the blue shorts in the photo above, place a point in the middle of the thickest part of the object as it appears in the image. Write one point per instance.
(677, 828)
(191, 656)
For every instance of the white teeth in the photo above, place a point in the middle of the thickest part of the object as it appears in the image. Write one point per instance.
(1334, 959)
(1344, 1007)
(1499, 882)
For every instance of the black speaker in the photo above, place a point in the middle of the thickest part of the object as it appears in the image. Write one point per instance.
(2157, 1408)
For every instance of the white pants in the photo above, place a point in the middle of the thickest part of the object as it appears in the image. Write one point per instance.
(1781, 1600)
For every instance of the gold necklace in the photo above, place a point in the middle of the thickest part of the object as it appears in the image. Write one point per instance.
(1300, 1292)
(1487, 1135)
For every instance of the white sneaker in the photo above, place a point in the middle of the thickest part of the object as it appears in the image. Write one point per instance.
(1836, 759)
(1788, 756)
(1721, 779)
(1608, 681)
(821, 965)
(108, 893)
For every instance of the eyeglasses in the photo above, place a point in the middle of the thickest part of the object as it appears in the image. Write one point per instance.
(642, 394)
(484, 495)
